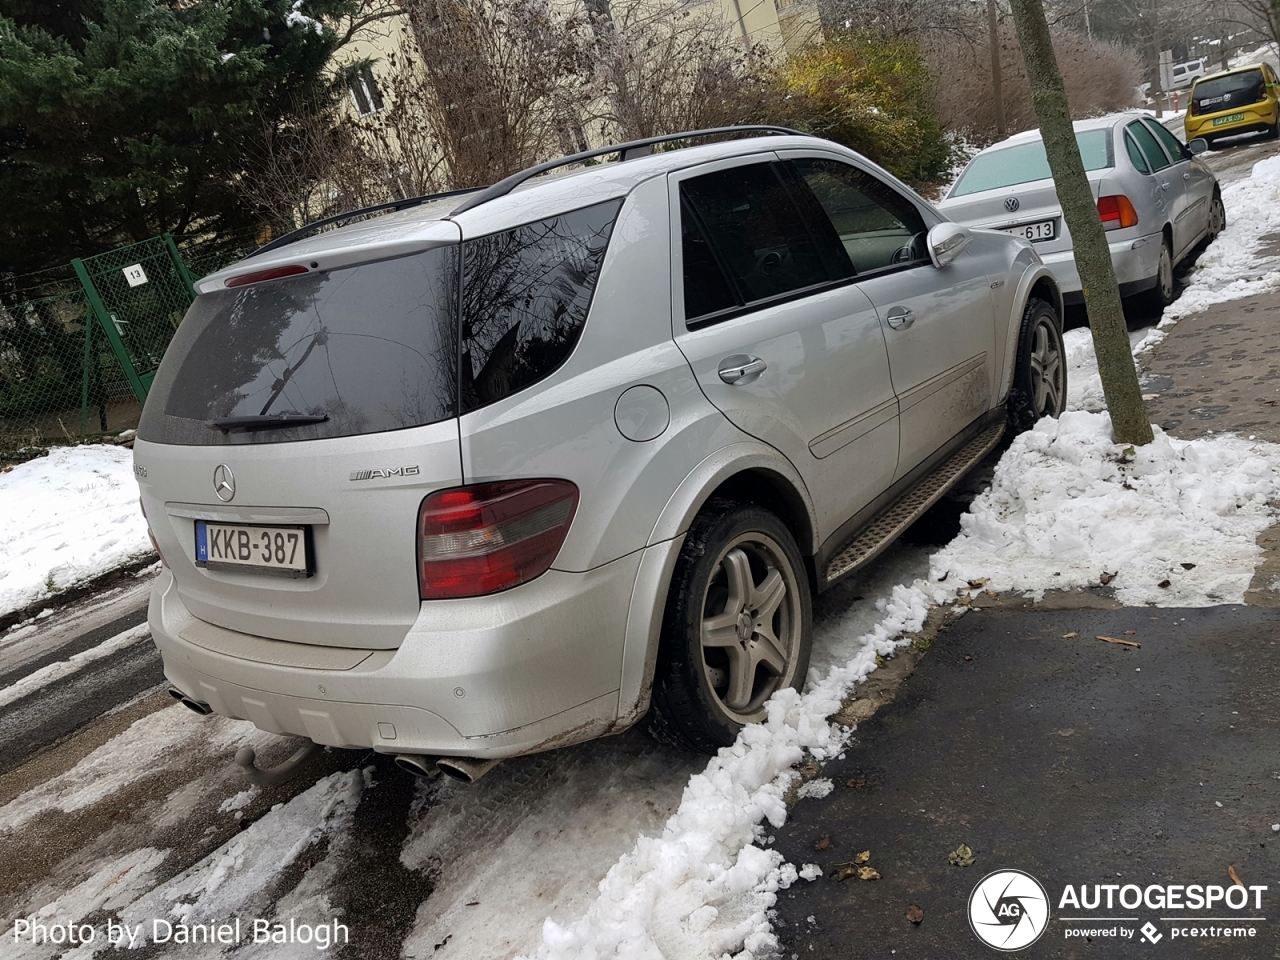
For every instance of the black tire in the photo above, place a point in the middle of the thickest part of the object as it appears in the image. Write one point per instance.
(1217, 217)
(1040, 375)
(1165, 291)
(694, 693)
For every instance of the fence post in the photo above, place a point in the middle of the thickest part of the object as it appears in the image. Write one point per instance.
(181, 264)
(109, 328)
(84, 374)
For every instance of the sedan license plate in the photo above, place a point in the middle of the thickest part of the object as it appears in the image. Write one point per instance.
(281, 551)
(1219, 121)
(1041, 230)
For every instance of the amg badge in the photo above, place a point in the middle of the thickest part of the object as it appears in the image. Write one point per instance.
(383, 474)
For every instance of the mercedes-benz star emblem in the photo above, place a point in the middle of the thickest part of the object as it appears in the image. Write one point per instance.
(224, 482)
(1012, 204)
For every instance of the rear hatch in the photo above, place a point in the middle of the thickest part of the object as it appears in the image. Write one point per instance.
(1228, 93)
(1011, 188)
(362, 358)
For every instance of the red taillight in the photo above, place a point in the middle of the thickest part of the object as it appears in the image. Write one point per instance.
(491, 536)
(1116, 212)
(275, 273)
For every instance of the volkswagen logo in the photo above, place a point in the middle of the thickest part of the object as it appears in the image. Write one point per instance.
(224, 482)
(1012, 204)
(1008, 910)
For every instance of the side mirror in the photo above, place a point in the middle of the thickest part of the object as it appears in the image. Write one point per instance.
(1198, 146)
(945, 242)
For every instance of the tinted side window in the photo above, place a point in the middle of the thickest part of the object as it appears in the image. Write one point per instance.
(878, 227)
(757, 230)
(1135, 154)
(1150, 147)
(526, 293)
(1172, 145)
(706, 289)
(372, 347)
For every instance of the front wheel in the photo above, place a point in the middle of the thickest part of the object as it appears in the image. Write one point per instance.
(738, 627)
(1040, 377)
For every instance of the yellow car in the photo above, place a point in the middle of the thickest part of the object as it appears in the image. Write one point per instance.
(1235, 101)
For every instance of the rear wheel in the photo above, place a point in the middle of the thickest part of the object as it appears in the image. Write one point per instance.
(738, 627)
(1163, 293)
(1040, 377)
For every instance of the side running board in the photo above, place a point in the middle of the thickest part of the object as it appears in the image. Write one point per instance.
(887, 527)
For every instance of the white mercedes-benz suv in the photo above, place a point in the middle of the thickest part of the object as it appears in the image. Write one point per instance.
(509, 469)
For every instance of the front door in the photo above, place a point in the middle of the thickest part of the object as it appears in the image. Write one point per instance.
(790, 351)
(938, 324)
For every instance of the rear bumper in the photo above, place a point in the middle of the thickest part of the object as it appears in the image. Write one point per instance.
(529, 669)
(1257, 116)
(1136, 262)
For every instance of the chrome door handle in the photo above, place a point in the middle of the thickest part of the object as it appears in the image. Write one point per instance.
(900, 318)
(1164, 184)
(1186, 176)
(740, 369)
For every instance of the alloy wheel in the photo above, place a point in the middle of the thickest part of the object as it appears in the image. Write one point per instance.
(1048, 372)
(751, 627)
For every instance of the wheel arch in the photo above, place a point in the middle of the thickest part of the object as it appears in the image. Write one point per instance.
(1036, 282)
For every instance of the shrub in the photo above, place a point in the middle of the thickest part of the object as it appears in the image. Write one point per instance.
(872, 94)
(1100, 77)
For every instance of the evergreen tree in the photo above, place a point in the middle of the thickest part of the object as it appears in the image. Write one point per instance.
(122, 119)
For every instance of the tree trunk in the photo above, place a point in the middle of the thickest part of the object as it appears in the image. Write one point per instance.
(993, 41)
(1129, 422)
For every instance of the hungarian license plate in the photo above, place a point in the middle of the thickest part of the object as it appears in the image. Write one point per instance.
(1041, 230)
(1219, 121)
(281, 551)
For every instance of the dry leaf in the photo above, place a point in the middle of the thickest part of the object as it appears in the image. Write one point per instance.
(1187, 566)
(822, 844)
(863, 857)
(844, 874)
(1164, 584)
(1235, 877)
(967, 657)
(979, 584)
(961, 856)
(1130, 633)
(914, 913)
(1068, 636)
(868, 873)
(992, 593)
(856, 783)
(1106, 578)
(1127, 643)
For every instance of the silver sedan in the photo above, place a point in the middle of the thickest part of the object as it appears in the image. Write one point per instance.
(1156, 200)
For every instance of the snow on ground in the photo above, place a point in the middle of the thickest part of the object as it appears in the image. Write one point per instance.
(66, 518)
(62, 668)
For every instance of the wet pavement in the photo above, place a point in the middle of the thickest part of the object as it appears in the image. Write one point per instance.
(1075, 760)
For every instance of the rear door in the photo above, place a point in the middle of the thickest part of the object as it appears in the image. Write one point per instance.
(777, 336)
(938, 325)
(1191, 190)
(370, 352)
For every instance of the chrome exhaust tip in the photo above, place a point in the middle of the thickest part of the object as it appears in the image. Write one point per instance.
(465, 769)
(417, 764)
(199, 706)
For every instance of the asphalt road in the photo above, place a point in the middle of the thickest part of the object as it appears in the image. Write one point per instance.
(1074, 760)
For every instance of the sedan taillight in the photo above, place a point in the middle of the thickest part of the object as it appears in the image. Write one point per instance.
(488, 537)
(1116, 212)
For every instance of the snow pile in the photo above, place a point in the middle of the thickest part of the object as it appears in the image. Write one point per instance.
(296, 18)
(703, 887)
(66, 518)
(1176, 521)
(25, 686)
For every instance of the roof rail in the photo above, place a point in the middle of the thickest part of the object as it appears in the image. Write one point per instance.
(306, 231)
(625, 151)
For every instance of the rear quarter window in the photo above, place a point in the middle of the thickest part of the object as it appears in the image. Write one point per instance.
(526, 294)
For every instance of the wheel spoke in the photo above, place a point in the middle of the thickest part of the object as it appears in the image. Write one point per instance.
(768, 595)
(737, 569)
(720, 630)
(742, 678)
(769, 651)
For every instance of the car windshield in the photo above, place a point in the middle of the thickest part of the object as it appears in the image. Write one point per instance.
(1233, 90)
(1026, 162)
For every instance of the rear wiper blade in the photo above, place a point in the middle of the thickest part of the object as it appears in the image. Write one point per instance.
(265, 421)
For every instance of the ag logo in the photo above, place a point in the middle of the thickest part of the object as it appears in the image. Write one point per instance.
(1008, 910)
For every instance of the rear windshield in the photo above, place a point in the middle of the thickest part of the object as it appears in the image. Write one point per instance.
(1223, 93)
(372, 347)
(1026, 162)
